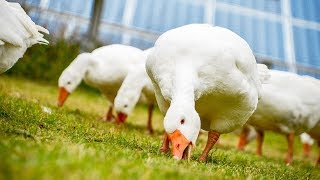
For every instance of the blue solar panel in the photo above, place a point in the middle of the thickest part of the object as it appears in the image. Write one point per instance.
(72, 6)
(307, 10)
(264, 36)
(307, 46)
(141, 43)
(273, 6)
(161, 16)
(113, 11)
(109, 37)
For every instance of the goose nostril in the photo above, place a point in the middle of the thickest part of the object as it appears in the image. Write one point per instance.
(178, 146)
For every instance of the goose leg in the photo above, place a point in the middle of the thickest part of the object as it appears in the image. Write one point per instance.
(149, 125)
(213, 137)
(290, 139)
(318, 161)
(165, 144)
(109, 115)
(243, 139)
(260, 135)
(306, 149)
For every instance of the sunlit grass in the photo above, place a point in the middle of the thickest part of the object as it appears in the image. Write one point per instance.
(72, 143)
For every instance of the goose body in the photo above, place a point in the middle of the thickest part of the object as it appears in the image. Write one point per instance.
(288, 105)
(104, 68)
(17, 33)
(203, 76)
(136, 87)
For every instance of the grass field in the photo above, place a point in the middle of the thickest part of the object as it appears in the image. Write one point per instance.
(71, 143)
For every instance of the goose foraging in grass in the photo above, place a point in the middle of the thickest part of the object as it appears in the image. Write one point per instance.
(17, 33)
(289, 105)
(105, 69)
(204, 77)
(136, 84)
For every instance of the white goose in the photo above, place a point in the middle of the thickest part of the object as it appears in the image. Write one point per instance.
(105, 69)
(17, 33)
(288, 105)
(136, 84)
(204, 77)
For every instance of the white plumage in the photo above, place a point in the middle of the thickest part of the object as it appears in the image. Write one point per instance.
(105, 69)
(137, 85)
(203, 72)
(17, 33)
(289, 105)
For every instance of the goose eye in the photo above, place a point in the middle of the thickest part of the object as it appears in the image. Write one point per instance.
(125, 105)
(68, 82)
(182, 121)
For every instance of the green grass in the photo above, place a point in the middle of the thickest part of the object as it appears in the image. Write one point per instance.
(71, 143)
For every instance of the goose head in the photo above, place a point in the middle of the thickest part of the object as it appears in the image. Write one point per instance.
(128, 95)
(72, 76)
(68, 82)
(182, 126)
(131, 89)
(124, 105)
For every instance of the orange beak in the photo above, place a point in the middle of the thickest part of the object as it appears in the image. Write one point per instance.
(180, 146)
(121, 117)
(63, 95)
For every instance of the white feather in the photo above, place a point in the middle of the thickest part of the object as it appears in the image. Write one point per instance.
(105, 69)
(17, 33)
(289, 104)
(200, 71)
(137, 85)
